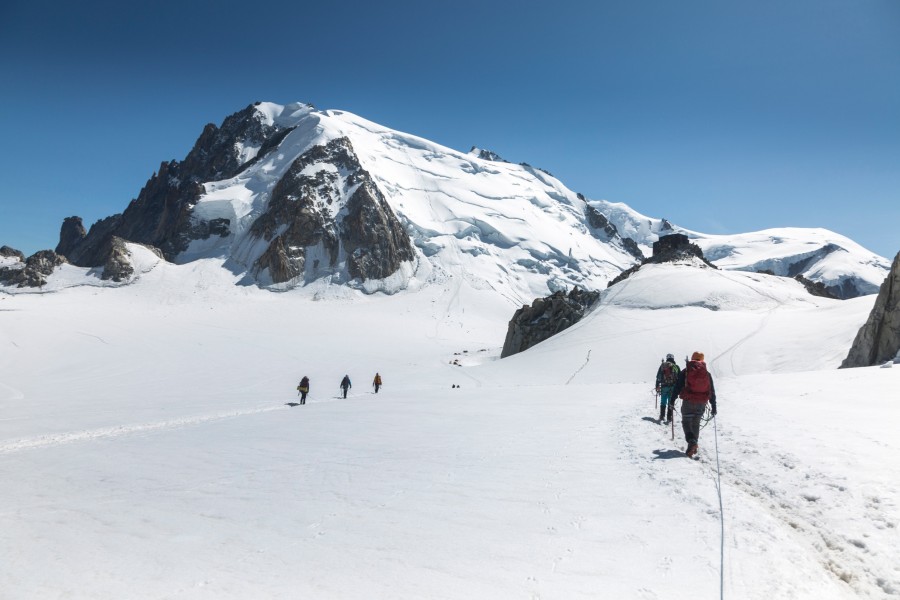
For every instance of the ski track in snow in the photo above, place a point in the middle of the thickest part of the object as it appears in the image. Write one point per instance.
(806, 501)
(730, 351)
(11, 393)
(587, 359)
(811, 503)
(59, 439)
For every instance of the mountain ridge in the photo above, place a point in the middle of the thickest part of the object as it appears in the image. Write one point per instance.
(513, 227)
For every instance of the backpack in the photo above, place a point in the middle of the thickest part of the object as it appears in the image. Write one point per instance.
(696, 382)
(669, 374)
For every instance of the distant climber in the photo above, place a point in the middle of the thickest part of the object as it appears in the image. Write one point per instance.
(695, 387)
(346, 385)
(376, 383)
(666, 376)
(303, 389)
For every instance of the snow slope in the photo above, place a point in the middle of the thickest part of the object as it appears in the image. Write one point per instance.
(147, 449)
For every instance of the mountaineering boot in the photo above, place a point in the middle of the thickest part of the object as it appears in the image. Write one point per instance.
(662, 413)
(691, 450)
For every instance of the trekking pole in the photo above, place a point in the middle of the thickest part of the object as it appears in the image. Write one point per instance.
(673, 419)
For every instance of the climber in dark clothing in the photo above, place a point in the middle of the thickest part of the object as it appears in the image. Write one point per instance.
(666, 376)
(303, 388)
(345, 385)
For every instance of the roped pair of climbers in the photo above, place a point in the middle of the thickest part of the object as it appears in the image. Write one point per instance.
(694, 385)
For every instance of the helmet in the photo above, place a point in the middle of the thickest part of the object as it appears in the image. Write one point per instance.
(670, 357)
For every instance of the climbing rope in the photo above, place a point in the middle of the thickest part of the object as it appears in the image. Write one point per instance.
(721, 518)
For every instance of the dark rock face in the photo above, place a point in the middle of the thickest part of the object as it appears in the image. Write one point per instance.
(675, 246)
(71, 235)
(302, 214)
(7, 252)
(598, 220)
(372, 236)
(609, 232)
(816, 288)
(37, 268)
(878, 341)
(545, 318)
(92, 249)
(161, 214)
(487, 155)
(669, 248)
(118, 265)
(214, 155)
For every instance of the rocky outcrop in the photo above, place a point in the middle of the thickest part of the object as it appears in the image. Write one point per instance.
(118, 266)
(8, 252)
(486, 154)
(310, 214)
(675, 247)
(37, 268)
(816, 288)
(545, 318)
(878, 341)
(605, 230)
(89, 249)
(71, 235)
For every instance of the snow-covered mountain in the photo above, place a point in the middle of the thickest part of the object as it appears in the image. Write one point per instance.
(289, 195)
(844, 267)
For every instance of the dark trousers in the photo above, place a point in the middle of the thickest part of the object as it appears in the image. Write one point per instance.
(666, 400)
(345, 391)
(377, 385)
(302, 397)
(691, 416)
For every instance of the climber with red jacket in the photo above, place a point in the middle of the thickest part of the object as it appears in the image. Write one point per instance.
(695, 387)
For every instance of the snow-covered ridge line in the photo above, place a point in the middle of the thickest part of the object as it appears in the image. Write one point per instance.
(470, 215)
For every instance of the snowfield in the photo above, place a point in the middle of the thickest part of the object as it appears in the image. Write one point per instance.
(148, 449)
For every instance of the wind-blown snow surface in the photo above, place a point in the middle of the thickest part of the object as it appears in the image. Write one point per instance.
(147, 450)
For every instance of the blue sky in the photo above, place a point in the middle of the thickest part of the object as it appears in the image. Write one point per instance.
(719, 116)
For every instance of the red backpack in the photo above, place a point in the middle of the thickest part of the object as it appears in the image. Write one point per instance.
(696, 382)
